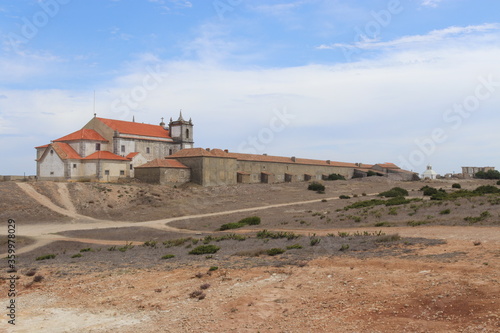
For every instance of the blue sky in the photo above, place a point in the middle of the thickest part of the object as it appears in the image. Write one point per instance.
(405, 81)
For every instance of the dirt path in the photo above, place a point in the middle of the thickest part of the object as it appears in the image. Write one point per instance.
(66, 197)
(43, 200)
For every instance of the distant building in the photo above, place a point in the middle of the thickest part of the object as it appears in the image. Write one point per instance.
(469, 172)
(429, 173)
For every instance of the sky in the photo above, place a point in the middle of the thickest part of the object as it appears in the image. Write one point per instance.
(412, 82)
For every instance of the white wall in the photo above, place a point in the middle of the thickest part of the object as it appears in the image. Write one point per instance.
(51, 165)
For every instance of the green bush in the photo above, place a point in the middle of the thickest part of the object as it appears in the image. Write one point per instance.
(344, 197)
(490, 174)
(486, 189)
(275, 251)
(394, 192)
(397, 201)
(315, 186)
(445, 212)
(232, 225)
(294, 246)
(252, 220)
(213, 268)
(168, 256)
(78, 255)
(47, 256)
(498, 182)
(204, 249)
(335, 176)
(456, 185)
(276, 235)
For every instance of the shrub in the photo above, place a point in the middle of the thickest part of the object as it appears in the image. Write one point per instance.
(344, 247)
(439, 195)
(204, 249)
(394, 192)
(213, 268)
(150, 243)
(38, 278)
(335, 176)
(344, 197)
(47, 256)
(456, 185)
(252, 220)
(397, 201)
(78, 255)
(232, 225)
(498, 182)
(388, 238)
(486, 189)
(481, 217)
(382, 224)
(315, 186)
(428, 190)
(314, 241)
(445, 212)
(205, 286)
(275, 251)
(176, 242)
(86, 250)
(416, 223)
(294, 246)
(276, 235)
(168, 256)
(490, 174)
(31, 272)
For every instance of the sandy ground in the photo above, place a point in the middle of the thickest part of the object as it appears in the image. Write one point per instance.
(411, 285)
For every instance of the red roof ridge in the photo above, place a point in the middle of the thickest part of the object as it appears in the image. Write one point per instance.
(163, 163)
(83, 134)
(129, 127)
(105, 155)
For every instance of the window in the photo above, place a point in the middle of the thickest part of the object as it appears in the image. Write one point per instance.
(122, 172)
(187, 133)
(52, 173)
(97, 146)
(106, 172)
(147, 150)
(74, 166)
(131, 167)
(123, 148)
(51, 152)
(170, 152)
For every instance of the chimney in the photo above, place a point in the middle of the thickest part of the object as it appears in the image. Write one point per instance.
(264, 154)
(208, 149)
(293, 158)
(226, 150)
(327, 161)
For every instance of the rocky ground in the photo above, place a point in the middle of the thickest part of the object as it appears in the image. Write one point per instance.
(407, 268)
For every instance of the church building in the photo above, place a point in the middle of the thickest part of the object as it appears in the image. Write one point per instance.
(108, 149)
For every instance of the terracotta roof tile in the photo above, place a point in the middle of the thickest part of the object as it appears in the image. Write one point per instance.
(44, 146)
(388, 165)
(163, 163)
(83, 134)
(128, 127)
(65, 151)
(105, 155)
(132, 155)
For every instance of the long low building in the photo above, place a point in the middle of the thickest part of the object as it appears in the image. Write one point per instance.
(213, 167)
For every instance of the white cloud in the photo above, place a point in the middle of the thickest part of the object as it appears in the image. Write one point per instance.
(430, 3)
(432, 38)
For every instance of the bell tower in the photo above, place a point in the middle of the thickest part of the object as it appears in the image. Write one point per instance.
(181, 131)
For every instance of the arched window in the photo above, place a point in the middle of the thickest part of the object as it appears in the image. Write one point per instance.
(187, 133)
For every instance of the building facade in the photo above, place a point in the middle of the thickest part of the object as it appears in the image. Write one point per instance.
(108, 149)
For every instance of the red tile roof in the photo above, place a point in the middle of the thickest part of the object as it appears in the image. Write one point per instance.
(162, 163)
(83, 134)
(65, 151)
(128, 127)
(388, 165)
(198, 152)
(105, 155)
(132, 155)
(44, 146)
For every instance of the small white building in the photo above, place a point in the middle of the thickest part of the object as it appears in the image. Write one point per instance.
(429, 173)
